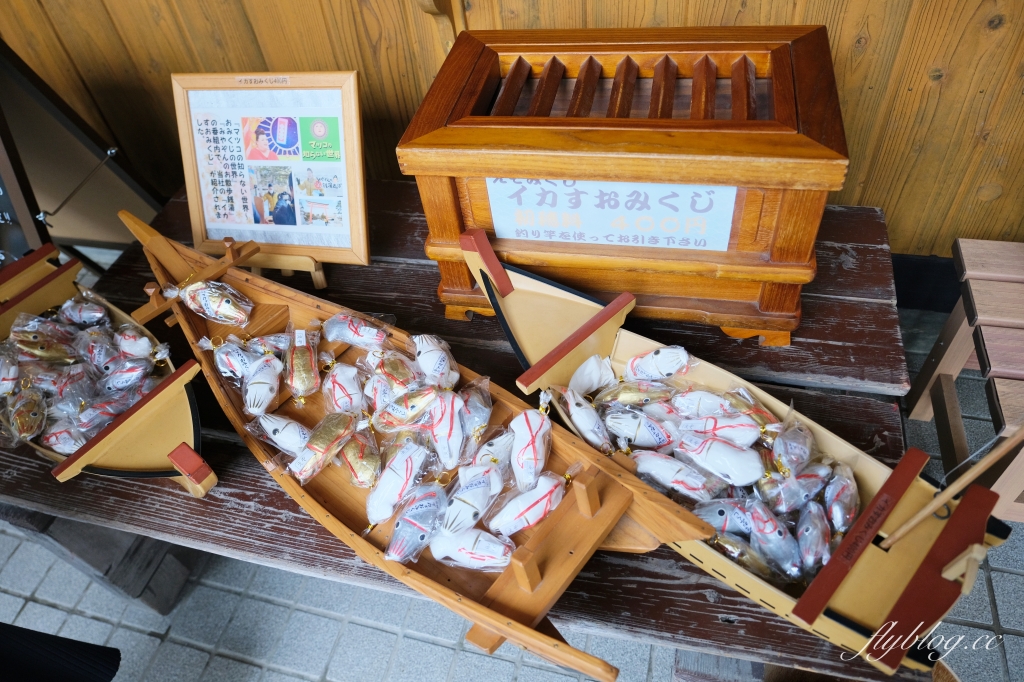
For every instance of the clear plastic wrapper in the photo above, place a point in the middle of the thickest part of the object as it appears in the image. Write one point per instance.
(63, 437)
(584, 418)
(74, 388)
(740, 430)
(233, 362)
(82, 311)
(842, 499)
(269, 344)
(434, 358)
(7, 437)
(496, 449)
(472, 548)
(773, 540)
(695, 402)
(514, 511)
(664, 413)
(471, 497)
(407, 461)
(813, 536)
(738, 466)
(419, 519)
(633, 394)
(531, 431)
(741, 551)
(744, 402)
(325, 441)
(355, 330)
(734, 492)
(594, 374)
(287, 435)
(400, 373)
(125, 373)
(301, 374)
(102, 410)
(28, 327)
(444, 425)
(261, 385)
(341, 386)
(780, 493)
(215, 301)
(476, 410)
(725, 515)
(361, 459)
(41, 375)
(27, 413)
(377, 391)
(132, 341)
(409, 410)
(680, 477)
(638, 430)
(8, 368)
(46, 350)
(96, 346)
(793, 447)
(658, 365)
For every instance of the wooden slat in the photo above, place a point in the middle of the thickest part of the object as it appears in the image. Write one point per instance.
(702, 102)
(663, 88)
(817, 101)
(783, 94)
(1000, 351)
(547, 89)
(621, 100)
(949, 425)
(744, 106)
(585, 89)
(1006, 403)
(512, 88)
(980, 259)
(991, 303)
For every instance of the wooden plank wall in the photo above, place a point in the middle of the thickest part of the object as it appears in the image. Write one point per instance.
(932, 91)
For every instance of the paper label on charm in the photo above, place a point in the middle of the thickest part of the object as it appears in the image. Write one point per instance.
(300, 337)
(685, 217)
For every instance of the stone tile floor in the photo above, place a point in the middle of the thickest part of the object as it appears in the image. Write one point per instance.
(242, 622)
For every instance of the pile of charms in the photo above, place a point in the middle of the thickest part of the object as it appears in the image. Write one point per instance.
(67, 374)
(780, 506)
(395, 423)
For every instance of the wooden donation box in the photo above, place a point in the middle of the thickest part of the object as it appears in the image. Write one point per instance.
(689, 166)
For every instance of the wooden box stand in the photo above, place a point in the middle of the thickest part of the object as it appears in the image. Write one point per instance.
(744, 109)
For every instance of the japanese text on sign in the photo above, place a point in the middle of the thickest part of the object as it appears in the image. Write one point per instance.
(617, 213)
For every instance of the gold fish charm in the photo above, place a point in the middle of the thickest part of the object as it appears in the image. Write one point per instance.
(635, 393)
(399, 371)
(302, 376)
(323, 444)
(28, 413)
(404, 410)
(218, 302)
(359, 456)
(48, 350)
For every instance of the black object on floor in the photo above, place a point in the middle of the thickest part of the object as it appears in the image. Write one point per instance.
(30, 656)
(925, 282)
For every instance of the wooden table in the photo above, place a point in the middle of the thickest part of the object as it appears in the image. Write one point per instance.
(657, 597)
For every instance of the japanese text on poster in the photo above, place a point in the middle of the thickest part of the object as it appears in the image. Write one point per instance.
(613, 213)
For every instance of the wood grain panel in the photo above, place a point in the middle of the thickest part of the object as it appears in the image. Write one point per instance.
(220, 35)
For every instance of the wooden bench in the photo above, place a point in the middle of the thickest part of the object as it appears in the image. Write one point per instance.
(988, 321)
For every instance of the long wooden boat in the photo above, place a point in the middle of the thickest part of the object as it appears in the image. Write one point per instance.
(157, 437)
(605, 506)
(863, 587)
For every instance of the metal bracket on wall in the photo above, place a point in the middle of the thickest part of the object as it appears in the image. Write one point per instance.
(43, 215)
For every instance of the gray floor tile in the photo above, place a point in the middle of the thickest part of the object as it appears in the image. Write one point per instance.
(920, 328)
(145, 618)
(275, 583)
(63, 585)
(970, 391)
(101, 602)
(1011, 553)
(471, 667)
(631, 658)
(922, 435)
(7, 546)
(1009, 591)
(975, 607)
(5, 527)
(25, 569)
(506, 650)
(361, 654)
(230, 573)
(254, 629)
(9, 607)
(914, 362)
(379, 607)
(431, 619)
(307, 643)
(326, 595)
(968, 662)
(136, 651)
(531, 674)
(40, 618)
(416, 661)
(223, 669)
(1014, 648)
(177, 663)
(934, 469)
(204, 615)
(86, 630)
(663, 664)
(274, 676)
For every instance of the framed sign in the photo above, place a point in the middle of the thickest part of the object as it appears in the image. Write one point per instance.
(276, 159)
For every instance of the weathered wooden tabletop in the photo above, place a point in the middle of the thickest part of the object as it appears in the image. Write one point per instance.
(658, 597)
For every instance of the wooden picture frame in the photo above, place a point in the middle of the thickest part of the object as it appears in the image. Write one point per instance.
(252, 131)
(17, 201)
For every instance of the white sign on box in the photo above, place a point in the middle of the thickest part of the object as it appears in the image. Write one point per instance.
(686, 217)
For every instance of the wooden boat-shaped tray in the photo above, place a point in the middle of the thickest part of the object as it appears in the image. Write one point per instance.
(157, 436)
(554, 329)
(604, 507)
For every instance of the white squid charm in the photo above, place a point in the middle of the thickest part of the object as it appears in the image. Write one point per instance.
(261, 384)
(341, 389)
(725, 516)
(378, 391)
(528, 509)
(586, 420)
(496, 450)
(532, 439)
(594, 374)
(436, 361)
(658, 364)
(131, 341)
(418, 521)
(445, 428)
(354, 331)
(694, 404)
(740, 430)
(233, 362)
(478, 488)
(395, 482)
(639, 430)
(472, 548)
(738, 466)
(673, 474)
(287, 435)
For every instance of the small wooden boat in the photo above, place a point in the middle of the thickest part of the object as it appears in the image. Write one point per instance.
(554, 329)
(157, 436)
(605, 506)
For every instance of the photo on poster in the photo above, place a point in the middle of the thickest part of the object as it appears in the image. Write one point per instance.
(273, 199)
(270, 138)
(322, 212)
(317, 182)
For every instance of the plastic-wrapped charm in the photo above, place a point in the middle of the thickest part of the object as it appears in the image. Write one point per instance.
(8, 368)
(584, 417)
(793, 447)
(46, 350)
(360, 458)
(232, 361)
(401, 374)
(405, 411)
(63, 437)
(694, 403)
(517, 511)
(477, 488)
(639, 430)
(41, 375)
(444, 424)
(773, 540)
(740, 429)
(435, 360)
(287, 435)
(355, 331)
(132, 341)
(474, 549)
(378, 391)
(261, 385)
(28, 327)
(341, 387)
(79, 310)
(74, 386)
(125, 373)
(405, 467)
(740, 551)
(103, 410)
(658, 364)
(27, 413)
(744, 402)
(673, 474)
(813, 536)
(324, 443)
(476, 410)
(634, 394)
(531, 432)
(215, 301)
(593, 375)
(725, 516)
(301, 373)
(418, 520)
(738, 466)
(842, 500)
(497, 449)
(781, 494)
(269, 344)
(96, 346)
